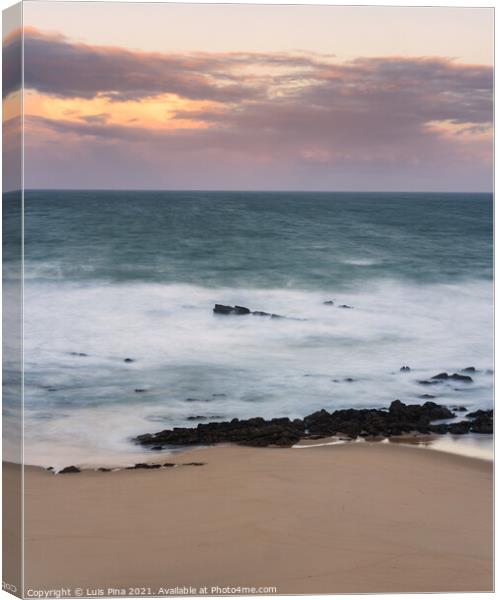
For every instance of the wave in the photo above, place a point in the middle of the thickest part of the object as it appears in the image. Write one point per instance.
(81, 397)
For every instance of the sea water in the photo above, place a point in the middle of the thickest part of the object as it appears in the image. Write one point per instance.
(111, 275)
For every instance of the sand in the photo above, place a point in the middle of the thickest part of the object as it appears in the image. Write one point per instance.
(354, 518)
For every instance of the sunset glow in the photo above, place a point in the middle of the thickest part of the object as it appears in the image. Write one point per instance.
(314, 118)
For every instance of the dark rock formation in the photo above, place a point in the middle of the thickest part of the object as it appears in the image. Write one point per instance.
(71, 469)
(481, 414)
(222, 309)
(194, 464)
(400, 418)
(459, 409)
(454, 377)
(345, 306)
(104, 469)
(78, 354)
(139, 390)
(482, 421)
(196, 400)
(427, 396)
(128, 360)
(405, 368)
(250, 432)
(145, 466)
(329, 302)
(469, 370)
(459, 428)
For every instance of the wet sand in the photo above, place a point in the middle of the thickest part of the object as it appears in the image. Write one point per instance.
(344, 518)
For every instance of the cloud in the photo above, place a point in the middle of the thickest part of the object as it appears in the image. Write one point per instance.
(56, 66)
(274, 114)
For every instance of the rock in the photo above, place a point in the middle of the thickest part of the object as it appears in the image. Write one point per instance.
(196, 400)
(480, 414)
(426, 382)
(49, 468)
(128, 360)
(441, 376)
(454, 377)
(145, 466)
(459, 428)
(223, 309)
(426, 396)
(405, 369)
(249, 432)
(400, 418)
(482, 425)
(197, 418)
(169, 465)
(104, 469)
(345, 306)
(329, 302)
(157, 448)
(78, 354)
(71, 469)
(469, 370)
(140, 390)
(458, 377)
(194, 464)
(459, 408)
(440, 428)
(349, 379)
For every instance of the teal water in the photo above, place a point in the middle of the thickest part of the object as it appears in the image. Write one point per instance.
(135, 274)
(308, 241)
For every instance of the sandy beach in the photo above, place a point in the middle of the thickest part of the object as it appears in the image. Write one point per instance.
(355, 518)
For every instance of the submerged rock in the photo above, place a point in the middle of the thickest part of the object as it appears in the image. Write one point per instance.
(223, 309)
(345, 306)
(329, 302)
(469, 370)
(405, 369)
(128, 360)
(454, 377)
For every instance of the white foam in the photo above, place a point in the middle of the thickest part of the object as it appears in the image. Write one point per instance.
(266, 367)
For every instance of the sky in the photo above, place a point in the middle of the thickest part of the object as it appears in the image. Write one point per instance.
(183, 96)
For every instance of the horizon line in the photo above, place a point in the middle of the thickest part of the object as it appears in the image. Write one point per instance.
(234, 190)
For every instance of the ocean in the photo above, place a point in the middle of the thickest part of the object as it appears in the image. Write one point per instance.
(111, 275)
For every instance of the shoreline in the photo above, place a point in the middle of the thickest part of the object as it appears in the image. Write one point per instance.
(448, 444)
(364, 517)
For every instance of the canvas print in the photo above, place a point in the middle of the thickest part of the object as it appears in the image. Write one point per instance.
(248, 299)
